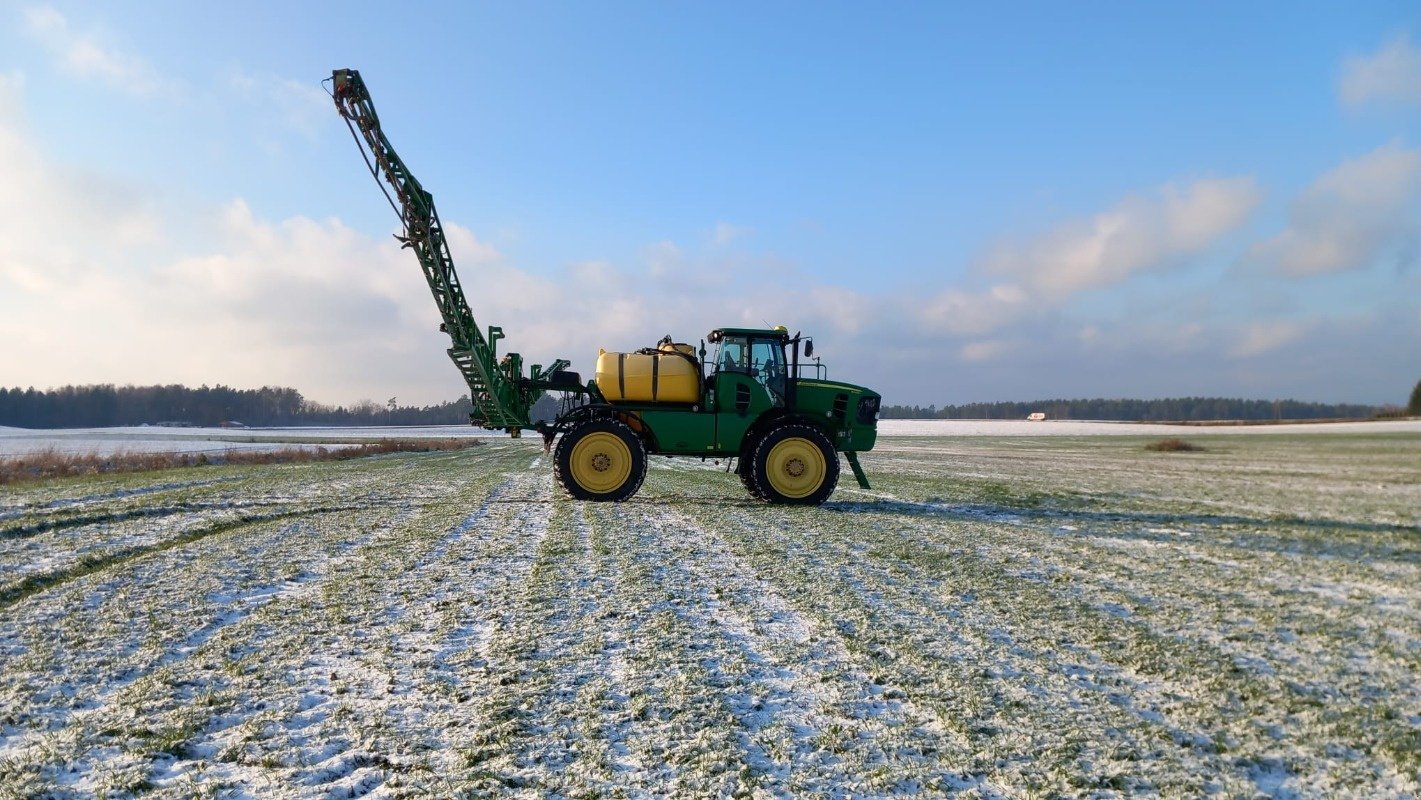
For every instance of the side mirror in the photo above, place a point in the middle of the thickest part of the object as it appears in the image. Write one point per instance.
(809, 348)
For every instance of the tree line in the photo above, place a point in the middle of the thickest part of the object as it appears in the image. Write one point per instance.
(1166, 410)
(106, 405)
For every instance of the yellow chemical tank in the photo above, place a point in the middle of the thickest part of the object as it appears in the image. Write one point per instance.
(671, 374)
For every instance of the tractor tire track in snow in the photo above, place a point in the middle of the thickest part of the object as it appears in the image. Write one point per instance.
(811, 712)
(1223, 623)
(151, 624)
(16, 591)
(1005, 619)
(381, 683)
(40, 507)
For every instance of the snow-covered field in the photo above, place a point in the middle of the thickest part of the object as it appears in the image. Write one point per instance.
(1000, 616)
(106, 441)
(1001, 427)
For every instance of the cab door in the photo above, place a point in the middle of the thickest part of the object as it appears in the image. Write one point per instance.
(739, 401)
(746, 370)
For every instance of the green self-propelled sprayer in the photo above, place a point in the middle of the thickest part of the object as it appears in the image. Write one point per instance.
(757, 398)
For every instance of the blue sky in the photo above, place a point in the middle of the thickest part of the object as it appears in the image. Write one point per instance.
(960, 203)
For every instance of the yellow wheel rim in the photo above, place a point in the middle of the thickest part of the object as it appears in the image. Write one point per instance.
(795, 468)
(601, 462)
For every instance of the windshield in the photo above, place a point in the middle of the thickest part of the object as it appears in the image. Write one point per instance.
(761, 359)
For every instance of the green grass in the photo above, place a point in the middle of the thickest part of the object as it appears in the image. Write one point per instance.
(1023, 617)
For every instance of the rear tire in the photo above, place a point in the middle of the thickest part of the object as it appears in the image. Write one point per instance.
(600, 460)
(795, 464)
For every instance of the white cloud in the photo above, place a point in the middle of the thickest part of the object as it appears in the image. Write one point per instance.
(302, 303)
(591, 273)
(294, 104)
(12, 91)
(844, 310)
(1140, 234)
(974, 313)
(725, 233)
(665, 259)
(1350, 216)
(85, 55)
(43, 204)
(91, 290)
(986, 350)
(1262, 338)
(1125, 336)
(1393, 73)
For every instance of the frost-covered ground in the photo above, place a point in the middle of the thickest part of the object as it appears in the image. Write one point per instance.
(1030, 615)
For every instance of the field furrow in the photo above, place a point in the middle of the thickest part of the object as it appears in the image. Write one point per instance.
(994, 618)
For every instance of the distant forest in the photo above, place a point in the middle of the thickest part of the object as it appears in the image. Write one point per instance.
(1170, 409)
(106, 405)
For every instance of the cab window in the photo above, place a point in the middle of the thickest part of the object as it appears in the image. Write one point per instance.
(767, 365)
(733, 355)
(761, 359)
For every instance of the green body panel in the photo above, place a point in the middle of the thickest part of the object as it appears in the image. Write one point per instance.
(739, 403)
(679, 431)
(820, 399)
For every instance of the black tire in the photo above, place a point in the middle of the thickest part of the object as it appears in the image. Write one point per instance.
(785, 468)
(747, 475)
(601, 460)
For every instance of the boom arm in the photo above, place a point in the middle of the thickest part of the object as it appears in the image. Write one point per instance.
(501, 395)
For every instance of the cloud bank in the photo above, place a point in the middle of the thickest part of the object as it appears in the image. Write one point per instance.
(1351, 216)
(1140, 234)
(1144, 233)
(86, 54)
(1390, 75)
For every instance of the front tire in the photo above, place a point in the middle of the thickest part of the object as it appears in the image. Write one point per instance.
(601, 460)
(795, 464)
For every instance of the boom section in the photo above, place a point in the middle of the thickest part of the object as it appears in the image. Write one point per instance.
(500, 394)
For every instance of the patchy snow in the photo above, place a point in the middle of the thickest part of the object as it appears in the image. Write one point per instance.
(150, 439)
(153, 439)
(1012, 616)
